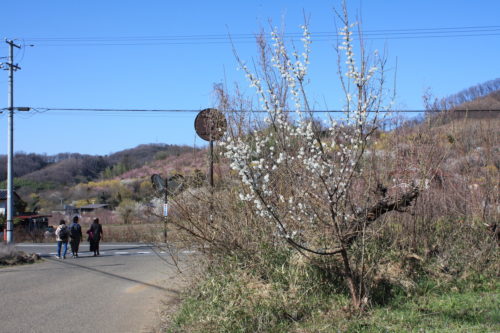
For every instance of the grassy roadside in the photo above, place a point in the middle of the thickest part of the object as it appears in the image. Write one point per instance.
(291, 299)
(455, 311)
(469, 305)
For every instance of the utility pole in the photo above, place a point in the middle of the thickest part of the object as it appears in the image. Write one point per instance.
(165, 212)
(10, 142)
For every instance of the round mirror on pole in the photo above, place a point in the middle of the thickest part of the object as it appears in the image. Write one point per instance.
(210, 124)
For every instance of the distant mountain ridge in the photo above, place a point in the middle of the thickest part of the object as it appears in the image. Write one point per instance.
(72, 168)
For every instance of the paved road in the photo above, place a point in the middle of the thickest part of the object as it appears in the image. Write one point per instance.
(120, 291)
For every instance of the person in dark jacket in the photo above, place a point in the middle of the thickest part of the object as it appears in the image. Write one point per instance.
(95, 236)
(75, 232)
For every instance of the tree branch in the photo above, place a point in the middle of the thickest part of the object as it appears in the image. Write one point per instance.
(385, 205)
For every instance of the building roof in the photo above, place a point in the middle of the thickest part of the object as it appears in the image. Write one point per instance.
(93, 206)
(31, 216)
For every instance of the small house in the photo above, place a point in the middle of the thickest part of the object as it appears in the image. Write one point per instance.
(32, 221)
(92, 208)
(3, 201)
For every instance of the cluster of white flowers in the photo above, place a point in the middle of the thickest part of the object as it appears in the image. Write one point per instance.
(292, 71)
(347, 46)
(306, 166)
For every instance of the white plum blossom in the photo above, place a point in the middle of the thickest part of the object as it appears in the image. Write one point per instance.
(296, 174)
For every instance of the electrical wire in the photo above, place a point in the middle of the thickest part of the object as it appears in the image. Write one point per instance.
(113, 111)
(290, 34)
(450, 32)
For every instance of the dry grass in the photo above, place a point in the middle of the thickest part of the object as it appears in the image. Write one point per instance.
(441, 238)
(10, 257)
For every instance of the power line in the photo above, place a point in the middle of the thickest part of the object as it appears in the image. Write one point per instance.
(289, 34)
(131, 110)
(467, 31)
(251, 42)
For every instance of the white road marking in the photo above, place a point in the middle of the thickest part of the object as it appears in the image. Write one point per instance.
(107, 249)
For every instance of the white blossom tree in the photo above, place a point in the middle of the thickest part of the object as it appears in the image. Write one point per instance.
(304, 176)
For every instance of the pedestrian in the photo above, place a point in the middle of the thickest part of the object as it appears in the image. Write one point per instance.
(75, 232)
(95, 236)
(62, 236)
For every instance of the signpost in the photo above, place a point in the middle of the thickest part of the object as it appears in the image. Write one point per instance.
(165, 187)
(161, 186)
(210, 125)
(165, 209)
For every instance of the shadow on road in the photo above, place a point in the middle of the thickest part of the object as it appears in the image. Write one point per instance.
(112, 275)
(35, 268)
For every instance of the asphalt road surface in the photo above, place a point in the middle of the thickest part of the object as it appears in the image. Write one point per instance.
(119, 291)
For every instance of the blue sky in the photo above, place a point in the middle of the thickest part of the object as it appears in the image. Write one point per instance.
(157, 74)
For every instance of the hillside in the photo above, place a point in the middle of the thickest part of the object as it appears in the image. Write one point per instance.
(486, 103)
(479, 101)
(142, 154)
(483, 96)
(184, 163)
(42, 180)
(69, 171)
(24, 164)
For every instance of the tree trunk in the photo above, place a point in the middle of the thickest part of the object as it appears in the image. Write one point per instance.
(351, 281)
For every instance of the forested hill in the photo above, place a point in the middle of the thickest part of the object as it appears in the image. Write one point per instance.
(481, 97)
(72, 168)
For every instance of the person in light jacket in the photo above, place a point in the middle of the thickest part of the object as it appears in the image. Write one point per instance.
(62, 236)
(95, 236)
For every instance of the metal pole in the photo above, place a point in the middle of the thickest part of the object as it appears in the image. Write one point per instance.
(10, 143)
(165, 219)
(211, 164)
(211, 217)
